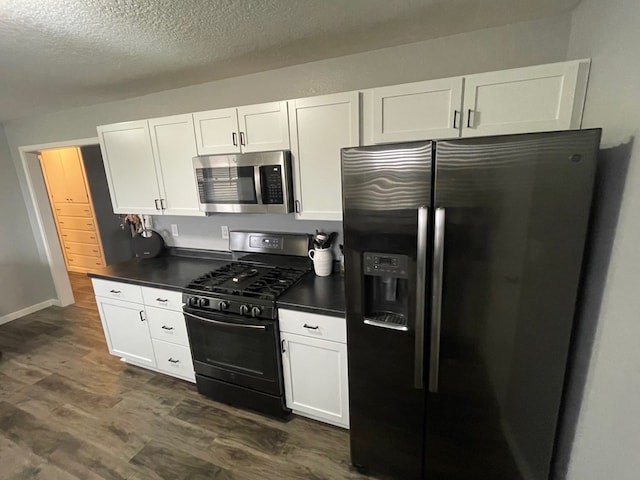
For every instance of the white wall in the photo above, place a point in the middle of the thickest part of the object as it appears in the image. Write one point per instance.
(24, 277)
(607, 438)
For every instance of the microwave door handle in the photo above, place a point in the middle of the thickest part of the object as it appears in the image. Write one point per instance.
(256, 180)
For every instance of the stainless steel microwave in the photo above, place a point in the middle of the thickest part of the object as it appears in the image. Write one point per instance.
(245, 183)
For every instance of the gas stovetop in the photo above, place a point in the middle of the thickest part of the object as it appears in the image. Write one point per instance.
(266, 282)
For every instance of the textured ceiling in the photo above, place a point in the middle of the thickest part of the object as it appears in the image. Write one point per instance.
(57, 54)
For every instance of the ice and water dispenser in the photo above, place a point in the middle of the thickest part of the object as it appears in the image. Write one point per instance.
(386, 290)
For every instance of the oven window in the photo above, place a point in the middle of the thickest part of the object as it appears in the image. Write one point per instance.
(245, 352)
(232, 185)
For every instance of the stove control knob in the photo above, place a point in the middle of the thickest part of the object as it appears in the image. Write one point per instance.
(255, 311)
(223, 305)
(204, 302)
(244, 309)
(192, 301)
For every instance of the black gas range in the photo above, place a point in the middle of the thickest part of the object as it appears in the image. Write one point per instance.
(231, 316)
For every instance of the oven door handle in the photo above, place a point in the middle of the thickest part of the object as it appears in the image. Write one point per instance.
(226, 324)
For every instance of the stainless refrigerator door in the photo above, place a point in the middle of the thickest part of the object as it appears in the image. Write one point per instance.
(512, 213)
(387, 193)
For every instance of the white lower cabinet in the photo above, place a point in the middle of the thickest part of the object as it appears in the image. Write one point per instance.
(315, 373)
(126, 330)
(141, 334)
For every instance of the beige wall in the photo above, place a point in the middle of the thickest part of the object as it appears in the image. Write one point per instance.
(24, 277)
(607, 438)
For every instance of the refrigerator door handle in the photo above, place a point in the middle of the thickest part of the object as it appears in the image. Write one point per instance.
(436, 300)
(421, 285)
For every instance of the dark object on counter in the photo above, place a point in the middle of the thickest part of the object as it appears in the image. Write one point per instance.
(147, 244)
(464, 261)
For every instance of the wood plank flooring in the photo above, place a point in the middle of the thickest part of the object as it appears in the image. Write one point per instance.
(69, 410)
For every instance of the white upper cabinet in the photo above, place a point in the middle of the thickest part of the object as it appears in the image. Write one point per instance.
(217, 131)
(320, 127)
(130, 167)
(174, 147)
(149, 166)
(414, 111)
(252, 128)
(530, 99)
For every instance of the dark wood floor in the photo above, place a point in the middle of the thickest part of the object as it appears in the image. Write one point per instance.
(69, 410)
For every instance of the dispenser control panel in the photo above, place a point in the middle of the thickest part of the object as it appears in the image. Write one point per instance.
(386, 264)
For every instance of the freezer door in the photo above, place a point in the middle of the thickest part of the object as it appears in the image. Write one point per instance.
(386, 195)
(512, 213)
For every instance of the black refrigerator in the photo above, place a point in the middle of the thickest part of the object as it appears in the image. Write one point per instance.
(463, 261)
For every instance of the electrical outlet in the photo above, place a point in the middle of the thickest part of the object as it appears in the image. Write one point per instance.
(174, 230)
(225, 232)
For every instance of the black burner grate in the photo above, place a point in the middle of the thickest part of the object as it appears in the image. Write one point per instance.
(247, 280)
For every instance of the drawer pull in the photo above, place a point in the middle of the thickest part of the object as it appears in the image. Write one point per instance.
(115, 291)
(162, 300)
(142, 319)
(311, 327)
(173, 361)
(164, 327)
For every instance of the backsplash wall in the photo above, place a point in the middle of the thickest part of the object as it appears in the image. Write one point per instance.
(205, 232)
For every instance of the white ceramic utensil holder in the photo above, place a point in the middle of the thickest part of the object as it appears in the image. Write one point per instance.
(322, 261)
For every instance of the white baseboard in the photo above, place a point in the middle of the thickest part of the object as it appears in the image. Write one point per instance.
(28, 310)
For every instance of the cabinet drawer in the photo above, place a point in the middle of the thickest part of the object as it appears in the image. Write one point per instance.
(167, 325)
(173, 359)
(122, 291)
(157, 297)
(79, 236)
(77, 223)
(313, 325)
(84, 261)
(73, 209)
(82, 249)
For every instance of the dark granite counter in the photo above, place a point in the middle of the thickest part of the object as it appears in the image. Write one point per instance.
(171, 272)
(323, 295)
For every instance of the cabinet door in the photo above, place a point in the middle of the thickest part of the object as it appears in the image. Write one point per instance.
(174, 146)
(130, 168)
(53, 171)
(217, 131)
(531, 99)
(74, 175)
(126, 330)
(315, 378)
(264, 127)
(320, 127)
(417, 111)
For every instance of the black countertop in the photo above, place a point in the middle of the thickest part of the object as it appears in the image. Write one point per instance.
(322, 295)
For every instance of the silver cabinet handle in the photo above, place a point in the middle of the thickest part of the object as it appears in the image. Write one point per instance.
(142, 319)
(234, 139)
(115, 291)
(242, 139)
(164, 327)
(421, 285)
(172, 360)
(282, 346)
(436, 299)
(297, 206)
(156, 202)
(162, 300)
(469, 118)
(455, 118)
(163, 204)
(226, 324)
(312, 327)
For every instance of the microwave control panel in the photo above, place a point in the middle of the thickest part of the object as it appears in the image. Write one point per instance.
(272, 185)
(386, 265)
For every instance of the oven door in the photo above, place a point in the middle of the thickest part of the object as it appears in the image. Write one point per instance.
(238, 350)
